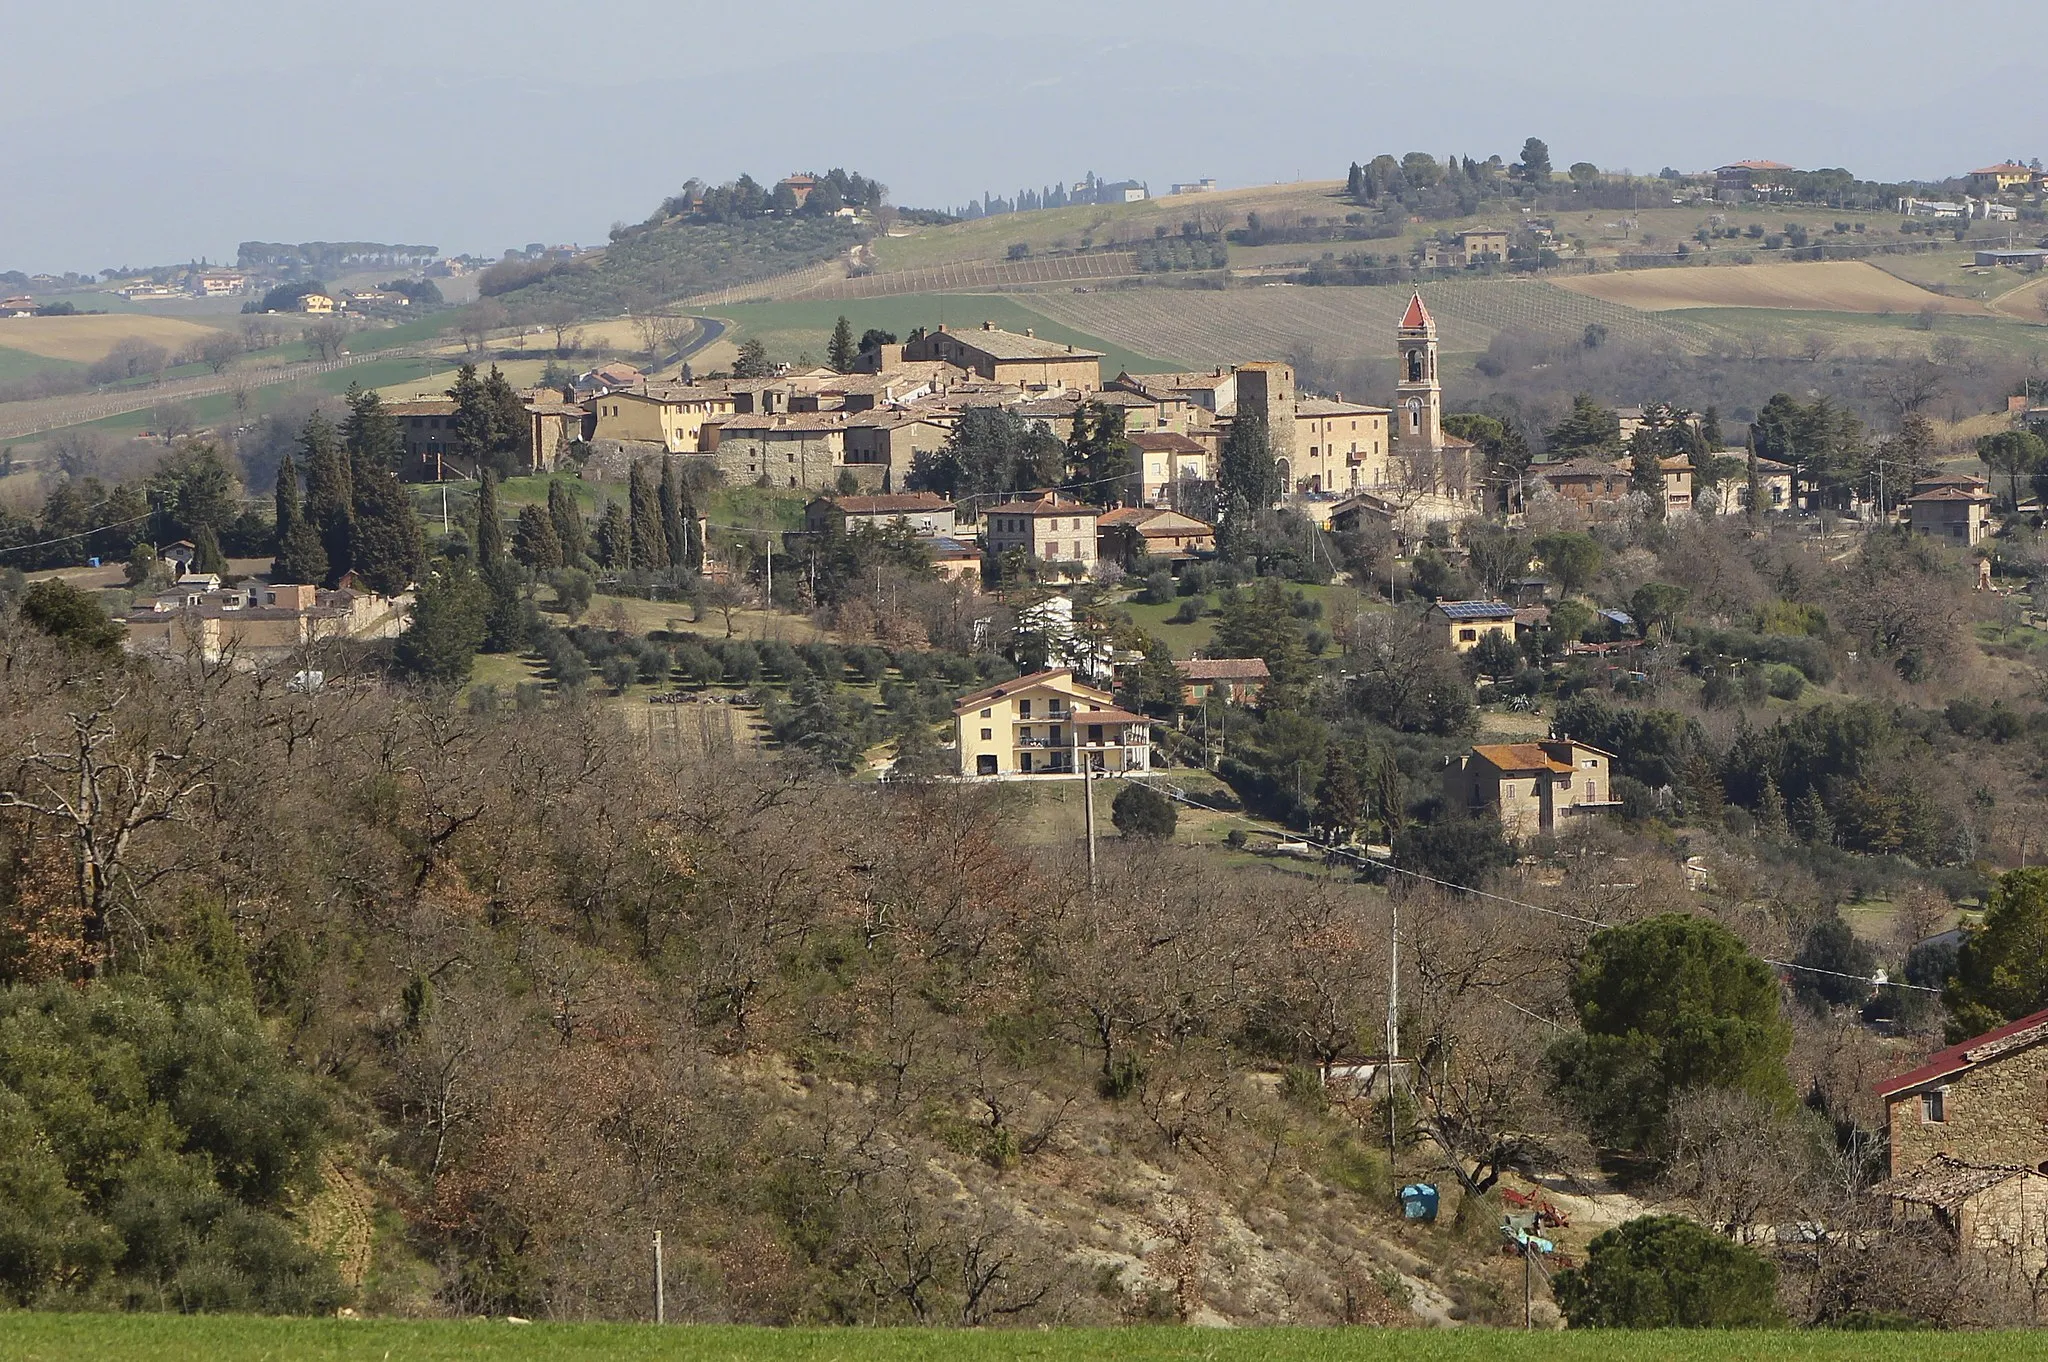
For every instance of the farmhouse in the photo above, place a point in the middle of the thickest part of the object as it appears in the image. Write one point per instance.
(1744, 179)
(1465, 623)
(1159, 535)
(1977, 1101)
(1048, 527)
(261, 623)
(922, 513)
(1956, 511)
(317, 305)
(2003, 178)
(999, 356)
(1530, 786)
(1046, 724)
(1233, 680)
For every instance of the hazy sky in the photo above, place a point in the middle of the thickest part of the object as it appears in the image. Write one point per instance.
(139, 132)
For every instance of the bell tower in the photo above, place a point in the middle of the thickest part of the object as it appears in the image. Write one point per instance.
(1418, 394)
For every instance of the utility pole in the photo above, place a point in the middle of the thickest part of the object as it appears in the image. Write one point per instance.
(444, 508)
(771, 568)
(1528, 1290)
(1087, 799)
(1393, 1033)
(660, 1299)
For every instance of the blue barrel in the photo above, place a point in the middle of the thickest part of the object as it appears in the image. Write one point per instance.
(1418, 1201)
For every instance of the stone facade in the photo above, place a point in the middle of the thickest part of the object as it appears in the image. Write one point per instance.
(1994, 1110)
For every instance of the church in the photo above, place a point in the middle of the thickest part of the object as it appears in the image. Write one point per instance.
(1328, 447)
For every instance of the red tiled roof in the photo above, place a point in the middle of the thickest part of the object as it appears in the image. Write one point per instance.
(1224, 669)
(1961, 1056)
(894, 503)
(981, 697)
(1520, 756)
(1417, 315)
(1166, 440)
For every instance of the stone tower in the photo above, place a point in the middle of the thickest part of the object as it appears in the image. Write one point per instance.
(1418, 394)
(1267, 387)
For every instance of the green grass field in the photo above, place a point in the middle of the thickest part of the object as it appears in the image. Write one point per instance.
(18, 364)
(791, 330)
(164, 1338)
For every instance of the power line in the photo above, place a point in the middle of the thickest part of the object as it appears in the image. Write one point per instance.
(82, 534)
(1180, 796)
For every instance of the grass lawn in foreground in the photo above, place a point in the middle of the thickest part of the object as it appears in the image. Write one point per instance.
(32, 1337)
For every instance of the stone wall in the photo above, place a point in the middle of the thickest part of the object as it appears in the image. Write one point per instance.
(1995, 1113)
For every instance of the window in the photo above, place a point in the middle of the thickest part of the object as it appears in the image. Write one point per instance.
(1468, 635)
(988, 735)
(1934, 1106)
(1023, 709)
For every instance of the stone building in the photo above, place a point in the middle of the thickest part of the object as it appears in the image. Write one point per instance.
(1531, 786)
(1266, 388)
(1049, 527)
(1033, 364)
(1984, 1101)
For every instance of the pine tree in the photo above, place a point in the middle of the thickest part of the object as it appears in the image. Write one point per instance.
(301, 557)
(330, 496)
(840, 352)
(534, 542)
(472, 423)
(390, 545)
(649, 539)
(1810, 818)
(370, 433)
(511, 451)
(206, 554)
(1772, 823)
(447, 629)
(676, 513)
(570, 532)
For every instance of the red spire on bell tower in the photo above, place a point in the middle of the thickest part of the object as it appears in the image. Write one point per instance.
(1417, 317)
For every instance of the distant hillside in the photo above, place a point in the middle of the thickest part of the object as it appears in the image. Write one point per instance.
(680, 258)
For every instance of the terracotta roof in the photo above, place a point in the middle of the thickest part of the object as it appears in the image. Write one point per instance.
(1754, 165)
(430, 406)
(1166, 441)
(2008, 168)
(1324, 406)
(1224, 669)
(1111, 715)
(1001, 345)
(1154, 520)
(1417, 316)
(1048, 505)
(1520, 756)
(979, 699)
(1947, 1181)
(2028, 1030)
(797, 422)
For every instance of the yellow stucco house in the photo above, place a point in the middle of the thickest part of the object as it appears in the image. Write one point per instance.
(672, 415)
(1464, 623)
(1043, 724)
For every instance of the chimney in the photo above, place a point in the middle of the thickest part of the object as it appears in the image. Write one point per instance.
(988, 326)
(1029, 332)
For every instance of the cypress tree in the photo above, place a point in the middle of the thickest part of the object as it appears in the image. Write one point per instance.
(649, 540)
(391, 547)
(534, 542)
(490, 530)
(300, 557)
(504, 622)
(1772, 824)
(568, 520)
(614, 539)
(206, 554)
(1340, 805)
(286, 499)
(330, 495)
(676, 513)
(473, 437)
